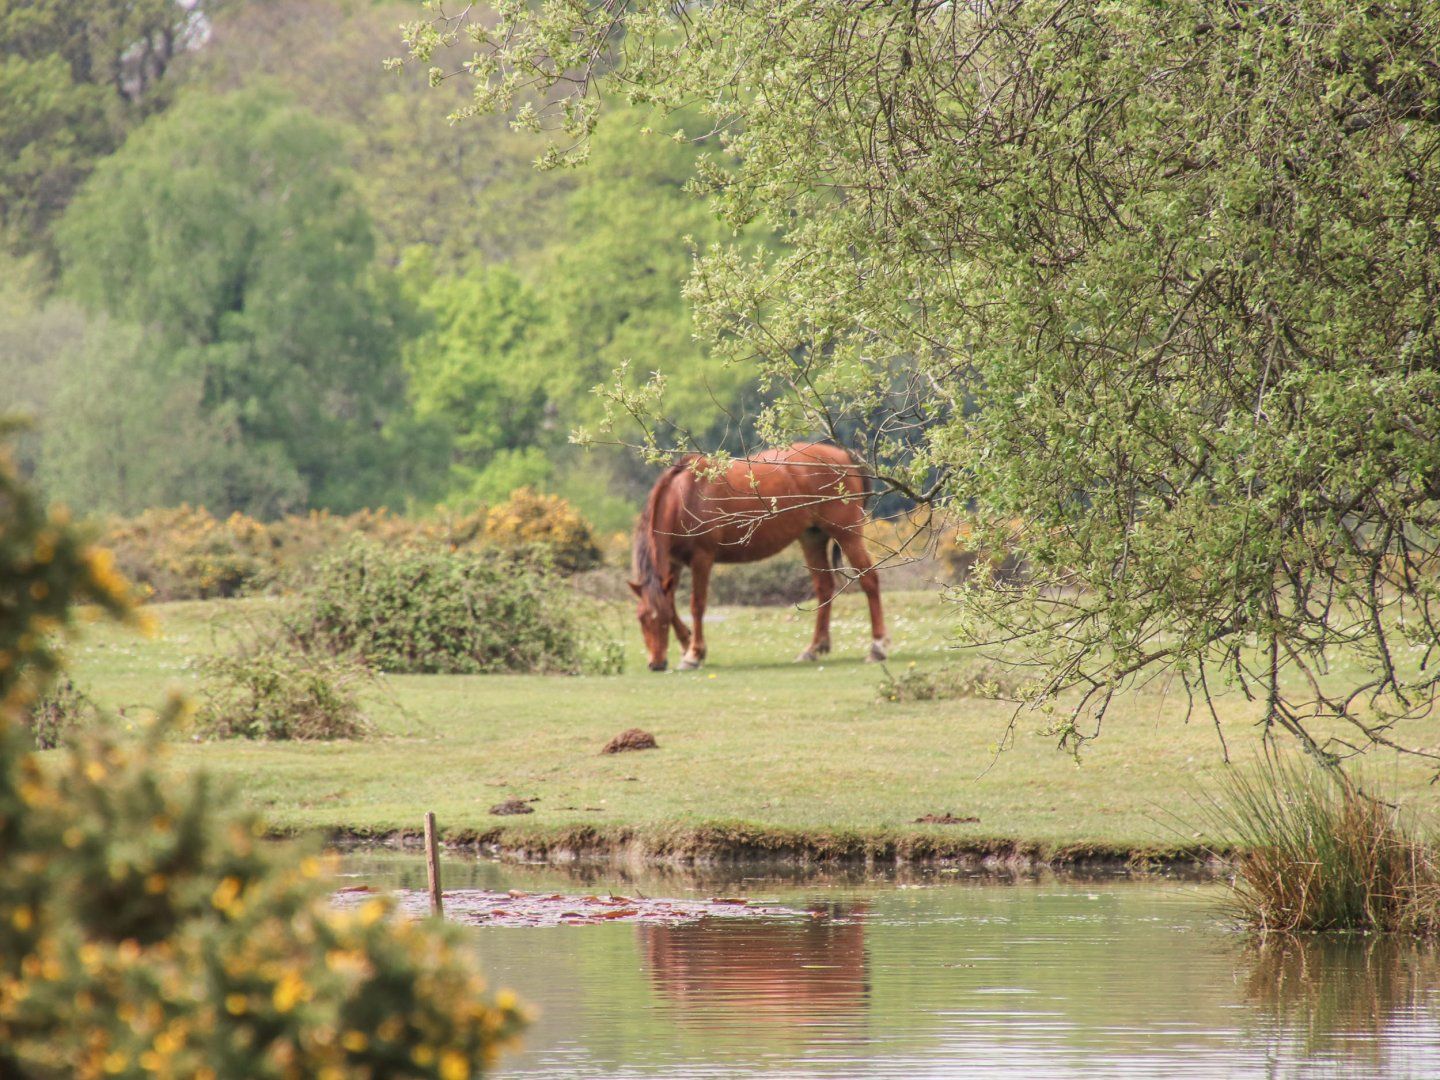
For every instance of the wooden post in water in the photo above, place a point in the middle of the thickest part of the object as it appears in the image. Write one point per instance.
(432, 863)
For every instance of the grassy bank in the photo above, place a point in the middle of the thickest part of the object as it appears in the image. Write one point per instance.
(756, 754)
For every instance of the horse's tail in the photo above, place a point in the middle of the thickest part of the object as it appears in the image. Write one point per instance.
(835, 554)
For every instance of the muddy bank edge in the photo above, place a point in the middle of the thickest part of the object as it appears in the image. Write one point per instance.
(739, 844)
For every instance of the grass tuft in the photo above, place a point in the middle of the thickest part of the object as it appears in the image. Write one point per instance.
(1318, 854)
(272, 693)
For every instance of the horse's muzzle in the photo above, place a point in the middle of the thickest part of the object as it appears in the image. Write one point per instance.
(659, 665)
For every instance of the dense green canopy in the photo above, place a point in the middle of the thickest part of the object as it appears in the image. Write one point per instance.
(1148, 290)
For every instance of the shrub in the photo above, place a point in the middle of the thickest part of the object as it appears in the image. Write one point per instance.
(271, 692)
(783, 580)
(187, 553)
(417, 609)
(144, 930)
(987, 680)
(59, 714)
(1316, 853)
(529, 519)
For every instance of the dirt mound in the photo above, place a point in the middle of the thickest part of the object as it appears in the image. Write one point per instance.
(634, 739)
(946, 818)
(513, 806)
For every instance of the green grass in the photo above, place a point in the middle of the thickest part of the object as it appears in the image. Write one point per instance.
(755, 750)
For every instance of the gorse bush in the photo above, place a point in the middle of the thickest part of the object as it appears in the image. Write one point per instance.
(187, 553)
(419, 610)
(273, 691)
(146, 931)
(531, 520)
(1316, 853)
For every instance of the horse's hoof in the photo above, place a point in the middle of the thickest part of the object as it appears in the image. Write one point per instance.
(807, 657)
(690, 663)
(879, 651)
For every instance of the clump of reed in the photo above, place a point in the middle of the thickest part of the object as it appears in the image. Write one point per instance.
(1316, 853)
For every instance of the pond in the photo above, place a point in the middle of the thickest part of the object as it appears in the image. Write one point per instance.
(937, 974)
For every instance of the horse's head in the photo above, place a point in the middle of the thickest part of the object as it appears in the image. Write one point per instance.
(656, 609)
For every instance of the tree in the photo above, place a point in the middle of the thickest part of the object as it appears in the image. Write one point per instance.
(230, 229)
(469, 195)
(1160, 283)
(73, 79)
(473, 373)
(121, 434)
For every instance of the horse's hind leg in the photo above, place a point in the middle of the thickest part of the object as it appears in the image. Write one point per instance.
(816, 546)
(858, 556)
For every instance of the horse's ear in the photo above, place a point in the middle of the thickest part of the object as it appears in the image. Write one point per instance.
(634, 587)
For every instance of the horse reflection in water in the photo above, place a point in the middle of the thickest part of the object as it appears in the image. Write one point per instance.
(784, 975)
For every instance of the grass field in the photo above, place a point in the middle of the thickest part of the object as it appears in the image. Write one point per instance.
(755, 751)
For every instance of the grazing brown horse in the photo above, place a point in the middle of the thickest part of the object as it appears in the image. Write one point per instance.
(810, 492)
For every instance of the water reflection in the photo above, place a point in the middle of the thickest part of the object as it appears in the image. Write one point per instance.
(785, 974)
(1343, 1000)
(1046, 976)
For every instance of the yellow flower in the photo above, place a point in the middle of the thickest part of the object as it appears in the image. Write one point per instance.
(226, 896)
(354, 1041)
(371, 912)
(236, 1004)
(22, 918)
(289, 992)
(454, 1066)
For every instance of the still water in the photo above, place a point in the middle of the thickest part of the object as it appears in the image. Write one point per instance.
(939, 976)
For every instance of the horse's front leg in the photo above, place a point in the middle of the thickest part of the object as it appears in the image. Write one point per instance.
(699, 585)
(682, 632)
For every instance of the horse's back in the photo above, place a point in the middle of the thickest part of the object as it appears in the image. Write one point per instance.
(763, 503)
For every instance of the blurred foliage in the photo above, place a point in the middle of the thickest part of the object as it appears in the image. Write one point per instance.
(308, 292)
(472, 198)
(144, 928)
(783, 580)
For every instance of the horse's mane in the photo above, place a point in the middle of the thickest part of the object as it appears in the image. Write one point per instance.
(644, 559)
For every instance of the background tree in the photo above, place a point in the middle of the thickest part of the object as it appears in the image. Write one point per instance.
(73, 79)
(1177, 260)
(230, 229)
(474, 373)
